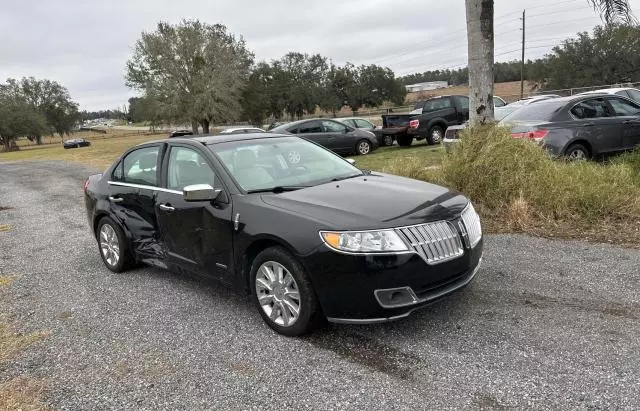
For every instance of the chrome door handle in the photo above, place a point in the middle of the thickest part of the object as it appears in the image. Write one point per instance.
(166, 207)
(116, 199)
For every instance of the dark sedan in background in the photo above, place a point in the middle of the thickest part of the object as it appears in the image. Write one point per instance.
(76, 143)
(335, 136)
(579, 127)
(310, 240)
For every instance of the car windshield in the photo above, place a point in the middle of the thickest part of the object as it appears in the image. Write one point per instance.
(540, 111)
(281, 162)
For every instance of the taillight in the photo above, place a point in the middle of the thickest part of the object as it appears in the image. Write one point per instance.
(535, 135)
(414, 123)
(85, 186)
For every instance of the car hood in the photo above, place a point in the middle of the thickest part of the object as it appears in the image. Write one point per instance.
(373, 201)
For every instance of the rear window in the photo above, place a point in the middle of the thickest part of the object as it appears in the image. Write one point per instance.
(539, 111)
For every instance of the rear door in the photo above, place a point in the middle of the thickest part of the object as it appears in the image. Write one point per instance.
(313, 131)
(197, 236)
(133, 186)
(629, 113)
(597, 123)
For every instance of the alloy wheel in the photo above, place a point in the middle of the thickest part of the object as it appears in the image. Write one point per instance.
(388, 141)
(364, 147)
(278, 293)
(436, 135)
(577, 154)
(109, 245)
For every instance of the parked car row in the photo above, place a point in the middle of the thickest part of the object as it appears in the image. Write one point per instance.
(583, 126)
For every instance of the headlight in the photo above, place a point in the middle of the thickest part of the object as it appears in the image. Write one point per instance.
(364, 241)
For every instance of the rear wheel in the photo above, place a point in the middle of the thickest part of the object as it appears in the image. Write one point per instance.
(113, 246)
(283, 293)
(435, 135)
(404, 141)
(363, 147)
(577, 152)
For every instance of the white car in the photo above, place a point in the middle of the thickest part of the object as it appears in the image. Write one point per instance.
(242, 130)
(628, 92)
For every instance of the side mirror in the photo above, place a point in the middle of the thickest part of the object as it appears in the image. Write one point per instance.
(200, 192)
(351, 161)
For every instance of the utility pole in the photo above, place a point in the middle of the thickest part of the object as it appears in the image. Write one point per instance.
(522, 61)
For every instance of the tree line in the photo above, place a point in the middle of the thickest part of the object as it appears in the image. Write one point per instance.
(201, 74)
(608, 55)
(32, 108)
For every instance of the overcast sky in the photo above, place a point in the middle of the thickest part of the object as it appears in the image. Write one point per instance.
(84, 44)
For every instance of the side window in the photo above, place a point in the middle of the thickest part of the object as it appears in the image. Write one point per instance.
(293, 130)
(116, 175)
(464, 102)
(594, 108)
(140, 166)
(188, 167)
(310, 127)
(624, 107)
(363, 124)
(333, 127)
(622, 93)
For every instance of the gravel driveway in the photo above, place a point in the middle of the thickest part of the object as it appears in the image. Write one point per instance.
(546, 325)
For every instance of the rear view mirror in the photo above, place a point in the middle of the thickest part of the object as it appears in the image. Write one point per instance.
(200, 192)
(351, 161)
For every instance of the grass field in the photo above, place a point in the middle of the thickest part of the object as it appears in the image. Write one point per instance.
(104, 150)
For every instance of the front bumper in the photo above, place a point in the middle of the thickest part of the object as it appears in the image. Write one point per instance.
(354, 289)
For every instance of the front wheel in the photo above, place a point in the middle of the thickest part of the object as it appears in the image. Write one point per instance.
(404, 141)
(363, 147)
(435, 135)
(283, 294)
(388, 140)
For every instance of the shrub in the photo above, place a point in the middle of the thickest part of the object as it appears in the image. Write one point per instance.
(516, 180)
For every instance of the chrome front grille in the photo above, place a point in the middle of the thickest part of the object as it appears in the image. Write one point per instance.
(471, 222)
(434, 242)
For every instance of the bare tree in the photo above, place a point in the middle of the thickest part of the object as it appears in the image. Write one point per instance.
(480, 50)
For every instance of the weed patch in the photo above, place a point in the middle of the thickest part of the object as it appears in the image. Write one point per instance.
(22, 394)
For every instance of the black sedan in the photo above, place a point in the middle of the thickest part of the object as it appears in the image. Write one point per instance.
(579, 127)
(310, 240)
(335, 136)
(76, 143)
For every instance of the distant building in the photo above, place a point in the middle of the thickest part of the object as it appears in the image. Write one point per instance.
(429, 85)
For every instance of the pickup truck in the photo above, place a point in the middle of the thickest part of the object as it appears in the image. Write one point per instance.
(429, 119)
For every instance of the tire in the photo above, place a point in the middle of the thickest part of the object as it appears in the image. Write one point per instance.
(77, 145)
(387, 141)
(309, 312)
(363, 147)
(404, 141)
(116, 260)
(436, 133)
(577, 152)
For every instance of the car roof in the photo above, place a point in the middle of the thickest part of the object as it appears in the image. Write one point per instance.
(607, 90)
(349, 118)
(220, 138)
(242, 128)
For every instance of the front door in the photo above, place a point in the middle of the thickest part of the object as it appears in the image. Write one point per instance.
(196, 236)
(628, 112)
(339, 138)
(596, 123)
(313, 131)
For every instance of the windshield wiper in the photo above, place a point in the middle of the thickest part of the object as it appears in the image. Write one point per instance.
(277, 189)
(347, 177)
